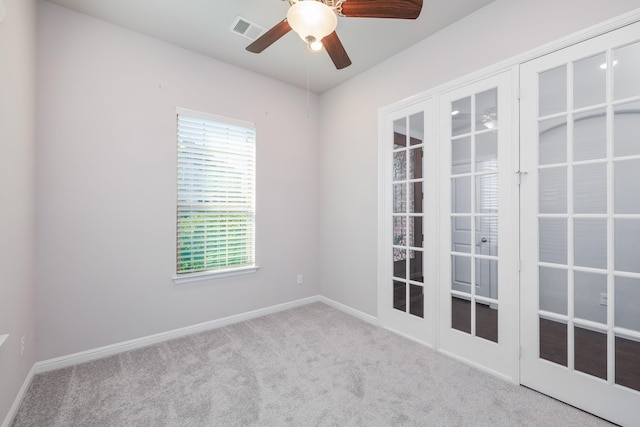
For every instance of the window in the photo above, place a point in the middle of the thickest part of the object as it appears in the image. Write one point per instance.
(216, 195)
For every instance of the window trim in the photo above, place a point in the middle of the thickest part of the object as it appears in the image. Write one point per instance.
(217, 274)
(230, 271)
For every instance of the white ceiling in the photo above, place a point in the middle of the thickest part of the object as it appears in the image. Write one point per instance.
(203, 26)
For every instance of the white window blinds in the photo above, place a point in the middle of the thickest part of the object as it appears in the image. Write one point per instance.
(216, 193)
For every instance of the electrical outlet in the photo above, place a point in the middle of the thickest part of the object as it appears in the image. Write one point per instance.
(300, 279)
(603, 299)
(22, 340)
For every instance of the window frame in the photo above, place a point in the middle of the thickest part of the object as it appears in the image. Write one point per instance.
(228, 270)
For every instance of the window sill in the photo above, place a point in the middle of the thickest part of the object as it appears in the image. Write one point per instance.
(210, 275)
(3, 338)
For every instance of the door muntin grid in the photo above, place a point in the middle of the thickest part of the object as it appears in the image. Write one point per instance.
(474, 214)
(589, 215)
(408, 214)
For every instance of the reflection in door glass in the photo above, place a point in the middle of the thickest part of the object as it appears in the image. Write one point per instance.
(416, 296)
(626, 128)
(399, 296)
(487, 110)
(625, 71)
(399, 198)
(461, 234)
(553, 91)
(416, 128)
(590, 352)
(628, 362)
(416, 197)
(487, 235)
(487, 278)
(461, 197)
(590, 135)
(399, 263)
(400, 230)
(461, 156)
(552, 137)
(553, 240)
(589, 295)
(627, 314)
(553, 341)
(399, 138)
(461, 273)
(461, 117)
(487, 152)
(487, 193)
(590, 242)
(407, 187)
(475, 209)
(399, 165)
(487, 321)
(590, 188)
(589, 73)
(415, 163)
(415, 266)
(627, 244)
(626, 188)
(461, 314)
(552, 188)
(553, 290)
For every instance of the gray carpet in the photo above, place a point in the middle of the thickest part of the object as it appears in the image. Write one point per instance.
(312, 365)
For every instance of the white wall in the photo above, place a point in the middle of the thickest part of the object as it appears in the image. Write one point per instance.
(106, 184)
(349, 175)
(17, 252)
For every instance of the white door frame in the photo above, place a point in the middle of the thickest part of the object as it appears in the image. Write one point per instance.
(405, 324)
(499, 358)
(599, 396)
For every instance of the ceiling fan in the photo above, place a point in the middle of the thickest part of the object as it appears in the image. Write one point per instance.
(316, 20)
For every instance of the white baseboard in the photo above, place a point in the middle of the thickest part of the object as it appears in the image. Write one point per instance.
(409, 337)
(110, 350)
(13, 411)
(350, 310)
(478, 366)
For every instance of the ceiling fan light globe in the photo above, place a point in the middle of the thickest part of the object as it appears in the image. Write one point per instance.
(312, 19)
(315, 46)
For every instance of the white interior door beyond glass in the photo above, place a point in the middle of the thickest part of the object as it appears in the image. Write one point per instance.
(580, 295)
(478, 204)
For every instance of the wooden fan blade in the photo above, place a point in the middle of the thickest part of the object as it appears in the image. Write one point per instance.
(336, 51)
(399, 9)
(270, 37)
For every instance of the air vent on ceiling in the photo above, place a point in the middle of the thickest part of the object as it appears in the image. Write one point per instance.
(246, 28)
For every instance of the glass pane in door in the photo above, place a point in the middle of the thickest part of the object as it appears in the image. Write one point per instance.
(580, 224)
(625, 68)
(588, 203)
(474, 214)
(408, 198)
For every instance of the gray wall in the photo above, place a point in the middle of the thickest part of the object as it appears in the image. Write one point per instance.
(106, 191)
(17, 252)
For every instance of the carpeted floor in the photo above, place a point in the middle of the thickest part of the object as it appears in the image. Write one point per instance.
(309, 366)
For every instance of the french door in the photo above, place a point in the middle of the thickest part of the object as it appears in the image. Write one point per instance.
(510, 229)
(478, 201)
(448, 264)
(406, 301)
(580, 218)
